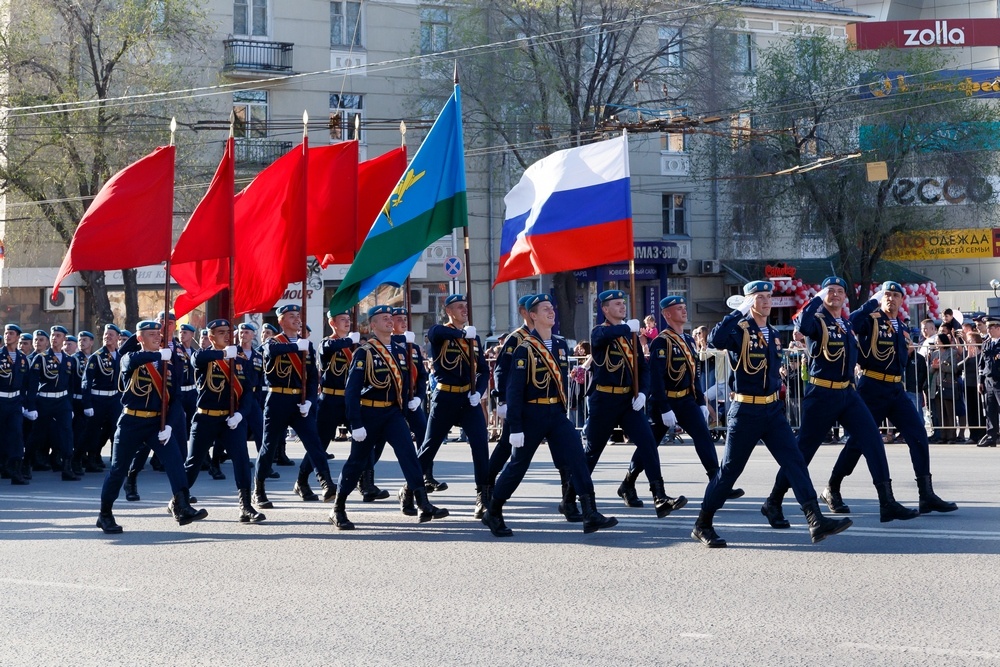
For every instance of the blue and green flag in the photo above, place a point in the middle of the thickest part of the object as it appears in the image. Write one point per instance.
(426, 204)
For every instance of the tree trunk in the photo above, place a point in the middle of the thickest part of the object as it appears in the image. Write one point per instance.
(131, 297)
(98, 311)
(564, 287)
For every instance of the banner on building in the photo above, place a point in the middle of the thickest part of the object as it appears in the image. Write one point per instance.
(941, 244)
(952, 33)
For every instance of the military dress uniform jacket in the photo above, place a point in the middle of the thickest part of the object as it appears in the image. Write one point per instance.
(377, 379)
(284, 370)
(55, 376)
(613, 354)
(81, 369)
(537, 377)
(335, 361)
(16, 378)
(452, 352)
(831, 345)
(141, 378)
(418, 371)
(755, 361)
(254, 383)
(501, 369)
(989, 363)
(211, 374)
(673, 361)
(100, 377)
(882, 349)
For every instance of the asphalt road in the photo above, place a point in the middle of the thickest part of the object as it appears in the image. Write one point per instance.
(295, 591)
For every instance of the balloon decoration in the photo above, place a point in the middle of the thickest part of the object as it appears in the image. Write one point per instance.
(919, 292)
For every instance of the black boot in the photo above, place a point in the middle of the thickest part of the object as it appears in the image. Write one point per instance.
(366, 485)
(431, 485)
(663, 503)
(25, 469)
(16, 476)
(260, 496)
(771, 509)
(705, 533)
(929, 501)
(493, 519)
(592, 519)
(406, 505)
(77, 464)
(626, 490)
(568, 506)
(247, 512)
(67, 471)
(338, 516)
(182, 510)
(483, 494)
(733, 494)
(888, 508)
(131, 487)
(820, 527)
(328, 486)
(213, 467)
(831, 496)
(302, 487)
(427, 511)
(90, 465)
(106, 522)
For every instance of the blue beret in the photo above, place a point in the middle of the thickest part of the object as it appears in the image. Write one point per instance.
(126, 333)
(672, 300)
(218, 323)
(270, 327)
(523, 301)
(41, 332)
(892, 286)
(85, 334)
(189, 327)
(71, 339)
(755, 286)
(60, 329)
(399, 311)
(288, 308)
(12, 327)
(112, 327)
(309, 328)
(148, 325)
(610, 294)
(170, 315)
(378, 310)
(537, 299)
(204, 332)
(246, 326)
(25, 336)
(454, 298)
(833, 280)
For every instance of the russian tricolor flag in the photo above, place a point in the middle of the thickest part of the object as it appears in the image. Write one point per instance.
(571, 210)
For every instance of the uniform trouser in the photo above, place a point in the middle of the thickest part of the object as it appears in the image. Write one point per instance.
(383, 425)
(11, 439)
(821, 407)
(501, 453)
(747, 425)
(888, 400)
(132, 435)
(253, 415)
(546, 422)
(101, 427)
(453, 409)
(417, 421)
(609, 410)
(991, 398)
(189, 402)
(280, 412)
(178, 437)
(689, 418)
(206, 431)
(974, 412)
(80, 421)
(55, 419)
(331, 412)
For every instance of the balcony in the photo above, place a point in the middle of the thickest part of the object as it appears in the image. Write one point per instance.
(259, 152)
(674, 164)
(244, 57)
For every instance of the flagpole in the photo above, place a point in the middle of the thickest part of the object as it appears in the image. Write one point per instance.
(468, 281)
(305, 259)
(635, 337)
(165, 399)
(409, 327)
(232, 270)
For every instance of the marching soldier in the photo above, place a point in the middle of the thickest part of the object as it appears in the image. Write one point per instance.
(989, 383)
(883, 347)
(24, 344)
(376, 395)
(81, 414)
(830, 397)
(536, 410)
(220, 374)
(756, 414)
(253, 388)
(15, 384)
(100, 385)
(142, 371)
(58, 380)
(618, 397)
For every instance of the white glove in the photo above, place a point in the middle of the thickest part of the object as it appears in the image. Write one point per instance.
(304, 408)
(516, 440)
(821, 295)
(164, 435)
(669, 419)
(88, 412)
(166, 353)
(359, 434)
(639, 402)
(408, 335)
(704, 412)
(502, 411)
(633, 326)
(877, 296)
(234, 421)
(30, 415)
(229, 352)
(470, 331)
(747, 304)
(413, 404)
(302, 344)
(475, 398)
(355, 337)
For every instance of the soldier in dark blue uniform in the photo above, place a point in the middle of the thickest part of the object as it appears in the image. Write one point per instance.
(35, 460)
(81, 414)
(756, 414)
(989, 382)
(142, 369)
(676, 396)
(24, 344)
(15, 384)
(335, 353)
(220, 374)
(618, 397)
(830, 397)
(883, 347)
(536, 410)
(100, 385)
(58, 381)
(462, 377)
(290, 364)
(184, 348)
(377, 394)
(253, 402)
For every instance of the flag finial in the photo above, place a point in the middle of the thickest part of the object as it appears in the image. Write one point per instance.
(173, 130)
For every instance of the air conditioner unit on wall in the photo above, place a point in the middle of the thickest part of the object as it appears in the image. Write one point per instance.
(682, 267)
(65, 300)
(711, 266)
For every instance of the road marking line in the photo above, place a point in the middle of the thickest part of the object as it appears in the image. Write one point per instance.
(61, 584)
(927, 650)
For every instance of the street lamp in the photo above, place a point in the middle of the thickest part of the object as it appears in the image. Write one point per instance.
(995, 284)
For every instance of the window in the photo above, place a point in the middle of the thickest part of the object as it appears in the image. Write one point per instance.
(345, 23)
(744, 220)
(740, 127)
(250, 18)
(343, 110)
(672, 142)
(435, 25)
(743, 51)
(671, 51)
(673, 214)
(250, 109)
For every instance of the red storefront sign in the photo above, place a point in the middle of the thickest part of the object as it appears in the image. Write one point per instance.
(925, 33)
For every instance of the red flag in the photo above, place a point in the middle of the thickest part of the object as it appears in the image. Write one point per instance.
(376, 179)
(332, 200)
(130, 222)
(200, 261)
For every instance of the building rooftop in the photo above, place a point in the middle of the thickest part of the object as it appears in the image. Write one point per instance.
(814, 6)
